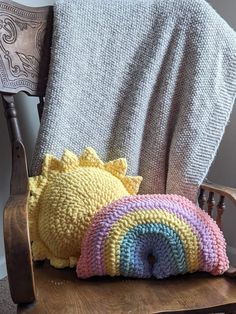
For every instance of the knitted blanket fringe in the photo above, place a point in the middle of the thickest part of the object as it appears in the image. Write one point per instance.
(153, 81)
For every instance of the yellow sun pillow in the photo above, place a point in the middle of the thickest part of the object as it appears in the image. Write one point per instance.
(65, 197)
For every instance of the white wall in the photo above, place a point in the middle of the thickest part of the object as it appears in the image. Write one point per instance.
(223, 170)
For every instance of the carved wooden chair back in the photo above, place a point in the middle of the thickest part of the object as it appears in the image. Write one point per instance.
(24, 48)
(25, 39)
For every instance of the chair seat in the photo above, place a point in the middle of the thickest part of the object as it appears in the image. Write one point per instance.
(60, 291)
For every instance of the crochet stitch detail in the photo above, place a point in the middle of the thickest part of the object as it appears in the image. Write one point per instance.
(64, 198)
(179, 235)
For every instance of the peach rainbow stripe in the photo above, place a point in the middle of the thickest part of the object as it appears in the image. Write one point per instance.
(181, 237)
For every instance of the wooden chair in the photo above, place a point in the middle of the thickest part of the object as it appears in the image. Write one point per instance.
(25, 36)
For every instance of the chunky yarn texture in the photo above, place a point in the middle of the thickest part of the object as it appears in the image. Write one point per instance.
(179, 236)
(151, 80)
(64, 198)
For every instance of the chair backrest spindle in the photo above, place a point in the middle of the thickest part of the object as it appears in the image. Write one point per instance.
(220, 210)
(11, 116)
(210, 203)
(40, 107)
(202, 198)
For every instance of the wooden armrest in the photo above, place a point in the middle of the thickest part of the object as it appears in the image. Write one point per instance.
(16, 231)
(228, 192)
(18, 252)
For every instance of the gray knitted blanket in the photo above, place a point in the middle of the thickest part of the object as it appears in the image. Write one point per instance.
(150, 80)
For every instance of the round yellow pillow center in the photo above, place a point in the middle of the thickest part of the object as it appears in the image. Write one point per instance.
(66, 196)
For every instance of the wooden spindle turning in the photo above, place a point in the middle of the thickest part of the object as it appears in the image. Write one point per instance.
(19, 181)
(220, 210)
(12, 118)
(40, 107)
(202, 198)
(210, 203)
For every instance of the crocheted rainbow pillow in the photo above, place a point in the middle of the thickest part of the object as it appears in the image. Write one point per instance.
(179, 236)
(64, 198)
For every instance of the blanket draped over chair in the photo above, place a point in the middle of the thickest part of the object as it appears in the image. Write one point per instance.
(153, 81)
